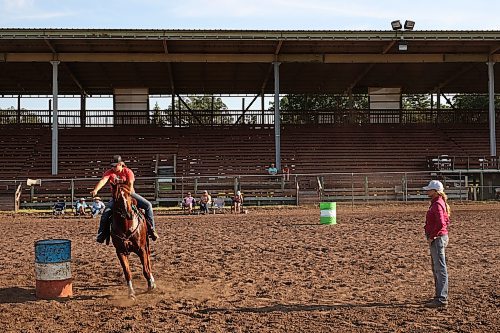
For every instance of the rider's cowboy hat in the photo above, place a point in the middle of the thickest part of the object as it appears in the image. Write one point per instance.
(117, 159)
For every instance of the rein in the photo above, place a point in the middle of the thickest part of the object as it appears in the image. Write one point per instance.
(123, 213)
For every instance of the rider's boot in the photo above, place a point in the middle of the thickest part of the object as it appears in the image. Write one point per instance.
(152, 231)
(153, 234)
(103, 232)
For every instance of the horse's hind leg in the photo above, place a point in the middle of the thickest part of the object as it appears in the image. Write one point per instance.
(128, 275)
(146, 268)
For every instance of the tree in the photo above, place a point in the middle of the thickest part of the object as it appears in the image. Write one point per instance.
(416, 102)
(318, 108)
(473, 101)
(9, 116)
(158, 118)
(200, 108)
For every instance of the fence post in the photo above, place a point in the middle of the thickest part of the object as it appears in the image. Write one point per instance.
(157, 188)
(72, 192)
(352, 189)
(405, 187)
(481, 184)
(298, 190)
(367, 193)
(460, 187)
(196, 185)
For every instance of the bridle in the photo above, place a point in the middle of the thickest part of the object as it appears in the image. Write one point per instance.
(123, 208)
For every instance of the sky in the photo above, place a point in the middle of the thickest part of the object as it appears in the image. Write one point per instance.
(241, 15)
(250, 14)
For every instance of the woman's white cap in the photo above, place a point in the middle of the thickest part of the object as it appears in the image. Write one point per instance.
(434, 185)
(238, 193)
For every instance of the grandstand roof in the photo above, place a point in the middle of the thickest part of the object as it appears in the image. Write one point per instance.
(231, 61)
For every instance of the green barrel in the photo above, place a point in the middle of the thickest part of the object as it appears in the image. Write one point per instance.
(328, 212)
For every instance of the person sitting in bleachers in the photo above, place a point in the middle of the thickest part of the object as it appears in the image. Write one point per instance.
(188, 203)
(97, 207)
(237, 202)
(286, 173)
(205, 202)
(272, 170)
(80, 207)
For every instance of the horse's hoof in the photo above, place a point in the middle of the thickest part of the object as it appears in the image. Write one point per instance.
(132, 297)
(151, 287)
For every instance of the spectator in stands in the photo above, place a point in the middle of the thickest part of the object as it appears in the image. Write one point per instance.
(97, 207)
(205, 202)
(436, 232)
(286, 173)
(119, 173)
(80, 206)
(237, 202)
(272, 170)
(188, 202)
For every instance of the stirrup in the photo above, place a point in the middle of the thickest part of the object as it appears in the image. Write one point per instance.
(153, 235)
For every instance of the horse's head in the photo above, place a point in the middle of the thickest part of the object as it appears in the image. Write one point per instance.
(123, 200)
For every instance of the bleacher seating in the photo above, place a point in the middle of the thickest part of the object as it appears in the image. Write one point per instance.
(231, 151)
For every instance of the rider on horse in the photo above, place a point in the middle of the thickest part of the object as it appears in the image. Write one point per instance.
(119, 173)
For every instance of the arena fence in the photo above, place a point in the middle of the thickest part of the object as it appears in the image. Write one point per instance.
(295, 189)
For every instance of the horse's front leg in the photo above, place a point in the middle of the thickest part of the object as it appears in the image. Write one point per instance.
(128, 275)
(146, 268)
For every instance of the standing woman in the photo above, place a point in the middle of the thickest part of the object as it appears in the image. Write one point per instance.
(436, 232)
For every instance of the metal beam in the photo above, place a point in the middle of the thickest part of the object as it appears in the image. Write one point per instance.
(277, 116)
(367, 69)
(188, 109)
(249, 58)
(246, 109)
(453, 77)
(55, 122)
(271, 66)
(491, 108)
(66, 67)
(169, 67)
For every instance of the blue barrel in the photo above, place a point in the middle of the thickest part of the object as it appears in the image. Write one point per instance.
(53, 268)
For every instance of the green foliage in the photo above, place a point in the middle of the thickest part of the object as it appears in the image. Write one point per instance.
(473, 101)
(416, 102)
(323, 108)
(10, 116)
(322, 102)
(199, 107)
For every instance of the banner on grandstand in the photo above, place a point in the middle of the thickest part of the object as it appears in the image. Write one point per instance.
(131, 106)
(385, 105)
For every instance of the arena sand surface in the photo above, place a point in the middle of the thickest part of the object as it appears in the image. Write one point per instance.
(272, 270)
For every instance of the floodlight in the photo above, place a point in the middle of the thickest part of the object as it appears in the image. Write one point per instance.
(396, 25)
(409, 25)
(403, 45)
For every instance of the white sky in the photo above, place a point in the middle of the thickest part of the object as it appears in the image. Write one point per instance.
(247, 15)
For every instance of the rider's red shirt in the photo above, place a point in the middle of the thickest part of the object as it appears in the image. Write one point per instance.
(124, 176)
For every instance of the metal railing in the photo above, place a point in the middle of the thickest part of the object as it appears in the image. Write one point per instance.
(264, 190)
(187, 118)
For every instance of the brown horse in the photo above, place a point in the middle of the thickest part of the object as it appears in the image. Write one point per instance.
(129, 234)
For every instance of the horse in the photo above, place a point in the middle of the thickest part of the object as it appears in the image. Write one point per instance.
(129, 234)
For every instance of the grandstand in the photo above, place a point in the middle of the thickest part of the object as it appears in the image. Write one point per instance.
(173, 151)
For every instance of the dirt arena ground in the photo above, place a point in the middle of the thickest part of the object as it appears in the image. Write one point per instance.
(272, 270)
